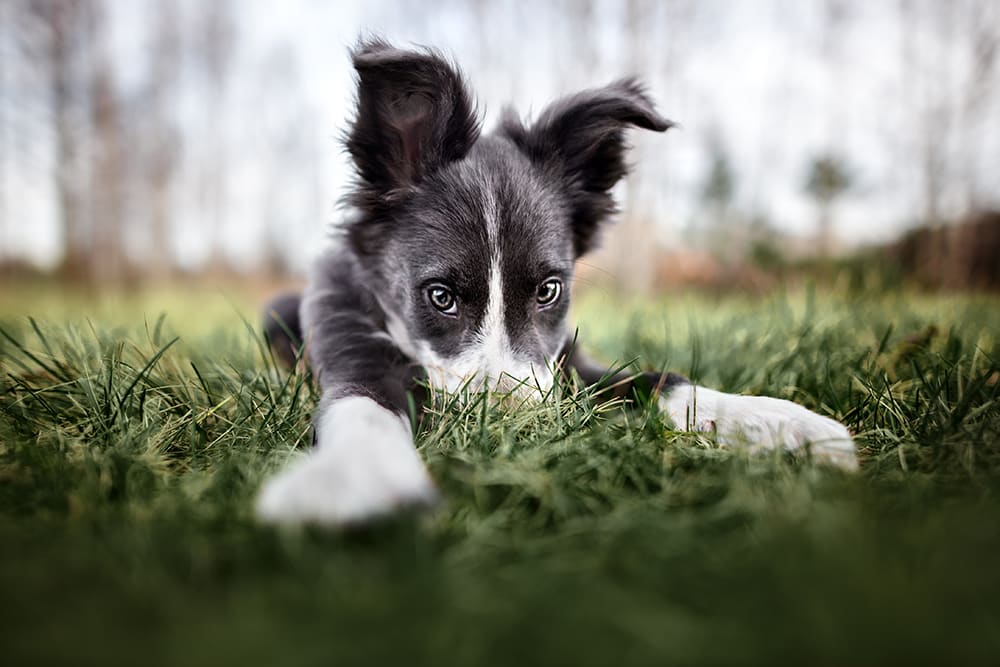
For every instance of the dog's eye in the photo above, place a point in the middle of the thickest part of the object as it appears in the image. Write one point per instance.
(442, 299)
(549, 292)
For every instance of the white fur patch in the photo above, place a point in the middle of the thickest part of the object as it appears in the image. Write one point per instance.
(761, 422)
(365, 465)
(475, 370)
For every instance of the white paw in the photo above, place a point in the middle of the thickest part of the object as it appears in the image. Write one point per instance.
(761, 422)
(365, 466)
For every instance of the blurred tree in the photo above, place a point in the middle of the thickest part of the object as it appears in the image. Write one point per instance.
(105, 261)
(215, 38)
(765, 249)
(949, 71)
(827, 180)
(290, 155)
(719, 186)
(983, 44)
(836, 18)
(60, 33)
(719, 233)
(632, 247)
(161, 138)
(581, 20)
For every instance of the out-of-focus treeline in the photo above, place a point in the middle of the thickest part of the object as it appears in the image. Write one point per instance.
(138, 152)
(141, 141)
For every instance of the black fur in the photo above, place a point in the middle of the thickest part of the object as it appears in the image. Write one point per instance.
(348, 349)
(282, 328)
(414, 115)
(580, 142)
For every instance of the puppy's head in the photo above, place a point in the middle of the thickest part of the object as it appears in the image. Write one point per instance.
(469, 242)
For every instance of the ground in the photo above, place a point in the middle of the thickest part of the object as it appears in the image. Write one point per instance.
(131, 446)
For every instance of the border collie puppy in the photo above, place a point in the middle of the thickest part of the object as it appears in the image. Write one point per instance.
(455, 273)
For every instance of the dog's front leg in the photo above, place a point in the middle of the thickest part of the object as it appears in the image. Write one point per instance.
(759, 422)
(364, 463)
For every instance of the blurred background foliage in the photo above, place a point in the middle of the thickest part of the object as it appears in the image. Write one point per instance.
(147, 141)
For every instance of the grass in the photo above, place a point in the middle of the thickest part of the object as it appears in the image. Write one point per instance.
(131, 447)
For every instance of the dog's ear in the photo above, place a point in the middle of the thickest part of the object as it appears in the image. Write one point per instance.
(580, 140)
(414, 115)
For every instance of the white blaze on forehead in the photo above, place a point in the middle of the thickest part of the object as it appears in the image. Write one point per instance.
(492, 330)
(491, 214)
(492, 335)
(497, 355)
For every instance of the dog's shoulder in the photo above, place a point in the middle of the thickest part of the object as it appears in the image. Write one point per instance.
(339, 287)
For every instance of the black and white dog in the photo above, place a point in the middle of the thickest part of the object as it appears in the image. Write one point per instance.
(455, 272)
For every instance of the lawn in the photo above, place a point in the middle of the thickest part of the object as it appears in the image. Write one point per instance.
(134, 433)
